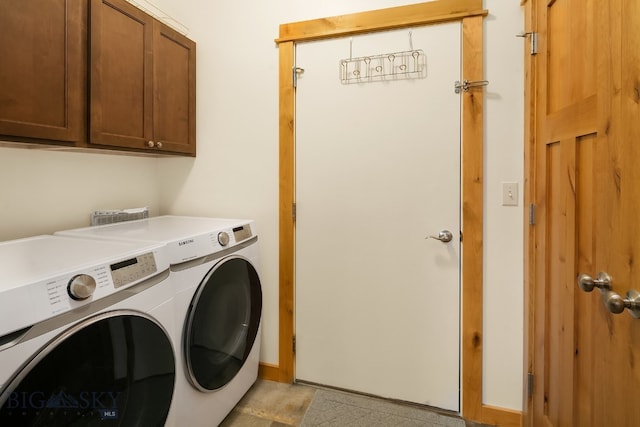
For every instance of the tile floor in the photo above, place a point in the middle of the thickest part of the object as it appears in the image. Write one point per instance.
(272, 404)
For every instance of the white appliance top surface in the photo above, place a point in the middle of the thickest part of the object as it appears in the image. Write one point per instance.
(165, 229)
(28, 260)
(36, 274)
(186, 237)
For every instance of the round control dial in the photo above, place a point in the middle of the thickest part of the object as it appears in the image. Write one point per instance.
(81, 286)
(223, 238)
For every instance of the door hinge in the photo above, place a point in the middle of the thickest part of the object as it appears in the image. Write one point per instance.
(530, 384)
(293, 211)
(296, 72)
(533, 40)
(532, 214)
(294, 344)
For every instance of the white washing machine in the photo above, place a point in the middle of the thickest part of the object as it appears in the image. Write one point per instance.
(85, 333)
(218, 302)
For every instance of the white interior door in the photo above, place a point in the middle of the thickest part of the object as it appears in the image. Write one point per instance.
(378, 170)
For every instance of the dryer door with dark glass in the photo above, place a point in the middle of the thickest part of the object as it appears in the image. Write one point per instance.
(222, 323)
(116, 368)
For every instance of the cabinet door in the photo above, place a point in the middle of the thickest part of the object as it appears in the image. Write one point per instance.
(174, 81)
(43, 70)
(121, 96)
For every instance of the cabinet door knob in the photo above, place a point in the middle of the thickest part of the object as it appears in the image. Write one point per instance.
(158, 144)
(151, 144)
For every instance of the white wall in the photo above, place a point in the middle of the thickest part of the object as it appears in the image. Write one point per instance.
(236, 171)
(44, 191)
(503, 229)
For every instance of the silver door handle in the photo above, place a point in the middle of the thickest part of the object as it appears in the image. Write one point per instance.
(444, 236)
(616, 304)
(613, 301)
(602, 282)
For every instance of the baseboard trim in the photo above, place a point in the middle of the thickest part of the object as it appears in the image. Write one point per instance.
(501, 417)
(269, 372)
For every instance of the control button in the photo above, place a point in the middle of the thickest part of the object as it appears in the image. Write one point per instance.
(81, 287)
(223, 238)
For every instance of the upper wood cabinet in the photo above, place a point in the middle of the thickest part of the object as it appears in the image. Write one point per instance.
(142, 81)
(43, 78)
(174, 88)
(121, 75)
(95, 73)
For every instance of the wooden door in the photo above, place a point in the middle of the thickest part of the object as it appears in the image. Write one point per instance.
(43, 70)
(377, 301)
(121, 99)
(586, 180)
(174, 81)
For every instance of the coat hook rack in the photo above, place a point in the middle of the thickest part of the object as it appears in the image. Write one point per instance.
(409, 64)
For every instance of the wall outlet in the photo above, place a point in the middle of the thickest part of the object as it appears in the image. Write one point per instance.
(509, 194)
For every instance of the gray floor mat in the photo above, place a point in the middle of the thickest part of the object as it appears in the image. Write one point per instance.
(336, 409)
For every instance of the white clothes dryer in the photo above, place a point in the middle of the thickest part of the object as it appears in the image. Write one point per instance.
(218, 303)
(85, 333)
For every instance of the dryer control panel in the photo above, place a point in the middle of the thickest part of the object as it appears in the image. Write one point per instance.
(242, 233)
(207, 242)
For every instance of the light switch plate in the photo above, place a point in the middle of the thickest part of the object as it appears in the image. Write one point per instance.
(509, 194)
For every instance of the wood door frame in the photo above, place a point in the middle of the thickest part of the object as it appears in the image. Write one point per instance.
(471, 16)
(530, 123)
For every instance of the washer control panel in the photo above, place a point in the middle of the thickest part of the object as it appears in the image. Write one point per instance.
(66, 292)
(133, 269)
(81, 286)
(48, 275)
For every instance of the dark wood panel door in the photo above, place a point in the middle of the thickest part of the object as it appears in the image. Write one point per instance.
(43, 70)
(174, 83)
(121, 98)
